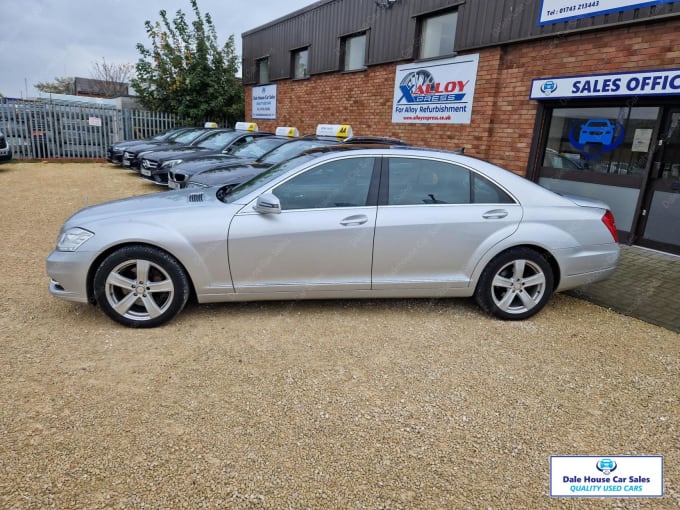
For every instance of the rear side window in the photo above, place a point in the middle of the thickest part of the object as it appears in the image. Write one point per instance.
(486, 192)
(415, 181)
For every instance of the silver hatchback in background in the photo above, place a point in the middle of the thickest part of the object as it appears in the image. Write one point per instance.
(338, 222)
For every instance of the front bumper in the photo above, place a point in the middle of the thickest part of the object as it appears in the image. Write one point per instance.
(5, 155)
(68, 274)
(154, 175)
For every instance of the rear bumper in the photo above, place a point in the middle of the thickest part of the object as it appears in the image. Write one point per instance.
(587, 265)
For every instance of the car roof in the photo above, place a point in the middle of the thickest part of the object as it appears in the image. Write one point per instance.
(356, 139)
(516, 185)
(384, 146)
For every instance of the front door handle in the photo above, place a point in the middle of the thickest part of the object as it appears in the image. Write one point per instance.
(495, 214)
(358, 219)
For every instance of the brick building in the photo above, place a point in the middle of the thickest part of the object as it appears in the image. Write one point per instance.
(579, 98)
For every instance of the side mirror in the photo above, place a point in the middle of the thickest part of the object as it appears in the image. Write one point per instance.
(268, 204)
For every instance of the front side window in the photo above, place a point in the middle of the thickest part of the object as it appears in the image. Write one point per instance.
(438, 35)
(414, 181)
(263, 70)
(354, 51)
(342, 183)
(300, 64)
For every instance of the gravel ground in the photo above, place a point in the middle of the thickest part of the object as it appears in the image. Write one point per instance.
(346, 404)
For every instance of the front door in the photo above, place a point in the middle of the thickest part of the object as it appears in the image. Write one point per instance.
(660, 225)
(322, 241)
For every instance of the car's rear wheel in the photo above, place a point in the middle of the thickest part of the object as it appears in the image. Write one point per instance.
(141, 286)
(515, 285)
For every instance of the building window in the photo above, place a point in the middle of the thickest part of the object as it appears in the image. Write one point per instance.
(354, 52)
(600, 140)
(263, 70)
(438, 35)
(300, 64)
(602, 153)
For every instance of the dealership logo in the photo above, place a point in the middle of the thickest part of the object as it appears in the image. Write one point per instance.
(422, 87)
(549, 87)
(606, 466)
(595, 137)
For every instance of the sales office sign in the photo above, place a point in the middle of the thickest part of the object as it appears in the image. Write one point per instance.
(662, 82)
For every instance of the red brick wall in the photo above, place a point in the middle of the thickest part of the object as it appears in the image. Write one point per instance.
(503, 117)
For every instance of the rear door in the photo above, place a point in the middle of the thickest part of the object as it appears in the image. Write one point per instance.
(435, 220)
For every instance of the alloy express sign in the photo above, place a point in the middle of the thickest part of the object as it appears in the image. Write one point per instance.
(645, 83)
(440, 92)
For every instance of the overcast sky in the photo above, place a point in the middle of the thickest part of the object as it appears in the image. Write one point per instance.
(44, 39)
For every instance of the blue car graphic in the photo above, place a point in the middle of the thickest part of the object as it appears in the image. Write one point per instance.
(597, 131)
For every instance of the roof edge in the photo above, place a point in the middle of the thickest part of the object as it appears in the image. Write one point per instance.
(293, 14)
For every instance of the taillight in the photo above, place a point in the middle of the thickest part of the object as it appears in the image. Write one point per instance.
(608, 220)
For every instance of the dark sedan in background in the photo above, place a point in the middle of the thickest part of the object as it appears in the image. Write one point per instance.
(131, 156)
(242, 154)
(154, 165)
(5, 149)
(114, 153)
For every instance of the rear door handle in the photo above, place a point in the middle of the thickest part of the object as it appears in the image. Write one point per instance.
(495, 214)
(358, 219)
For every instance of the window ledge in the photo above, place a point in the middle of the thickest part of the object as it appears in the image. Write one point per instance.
(438, 57)
(359, 70)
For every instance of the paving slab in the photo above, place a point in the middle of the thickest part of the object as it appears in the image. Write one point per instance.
(646, 285)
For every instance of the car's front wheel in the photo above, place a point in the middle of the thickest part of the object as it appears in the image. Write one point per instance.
(141, 286)
(515, 285)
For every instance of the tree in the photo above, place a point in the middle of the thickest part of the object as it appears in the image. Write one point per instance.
(59, 86)
(111, 78)
(186, 71)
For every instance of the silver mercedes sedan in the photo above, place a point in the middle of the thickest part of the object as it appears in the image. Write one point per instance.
(337, 222)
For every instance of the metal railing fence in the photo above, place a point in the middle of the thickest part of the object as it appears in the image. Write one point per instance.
(46, 129)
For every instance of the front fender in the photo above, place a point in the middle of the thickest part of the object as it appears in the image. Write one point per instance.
(195, 246)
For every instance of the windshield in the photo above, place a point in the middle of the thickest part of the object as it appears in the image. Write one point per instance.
(218, 140)
(255, 148)
(260, 180)
(187, 136)
(291, 149)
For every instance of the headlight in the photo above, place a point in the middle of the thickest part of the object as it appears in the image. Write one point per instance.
(72, 239)
(171, 163)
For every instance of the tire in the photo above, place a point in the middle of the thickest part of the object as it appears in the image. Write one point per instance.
(515, 285)
(148, 301)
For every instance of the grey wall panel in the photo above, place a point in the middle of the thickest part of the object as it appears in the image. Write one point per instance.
(490, 22)
(393, 30)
